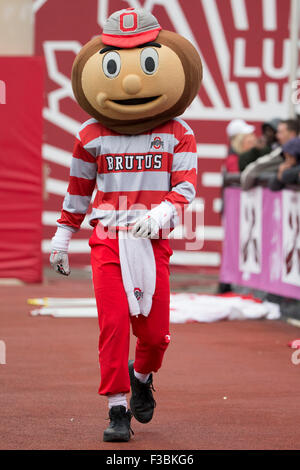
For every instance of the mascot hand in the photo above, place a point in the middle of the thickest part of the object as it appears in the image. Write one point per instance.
(149, 225)
(146, 227)
(60, 262)
(59, 251)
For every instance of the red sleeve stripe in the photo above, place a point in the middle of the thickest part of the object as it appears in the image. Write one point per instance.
(186, 144)
(71, 220)
(81, 153)
(176, 199)
(178, 177)
(81, 186)
(184, 127)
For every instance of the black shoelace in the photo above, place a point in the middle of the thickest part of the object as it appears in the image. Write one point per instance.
(146, 392)
(119, 419)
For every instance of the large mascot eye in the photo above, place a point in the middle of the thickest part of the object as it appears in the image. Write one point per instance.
(149, 60)
(111, 64)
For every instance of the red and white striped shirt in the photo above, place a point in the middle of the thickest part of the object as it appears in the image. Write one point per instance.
(131, 173)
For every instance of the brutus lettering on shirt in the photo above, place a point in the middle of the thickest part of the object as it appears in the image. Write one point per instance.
(133, 162)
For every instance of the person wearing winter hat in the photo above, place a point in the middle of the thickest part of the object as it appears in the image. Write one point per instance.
(269, 132)
(134, 81)
(240, 135)
(238, 126)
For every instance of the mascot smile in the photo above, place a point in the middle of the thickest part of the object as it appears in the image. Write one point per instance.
(132, 80)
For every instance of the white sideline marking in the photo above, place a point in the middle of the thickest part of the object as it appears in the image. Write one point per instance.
(11, 281)
(2, 352)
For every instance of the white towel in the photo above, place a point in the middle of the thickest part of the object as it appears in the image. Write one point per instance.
(138, 272)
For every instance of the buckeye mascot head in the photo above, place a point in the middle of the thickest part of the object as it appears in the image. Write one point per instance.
(136, 76)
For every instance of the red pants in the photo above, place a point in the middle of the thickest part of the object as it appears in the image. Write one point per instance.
(152, 332)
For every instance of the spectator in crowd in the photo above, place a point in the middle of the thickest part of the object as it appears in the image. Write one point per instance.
(269, 132)
(243, 143)
(265, 144)
(287, 130)
(237, 132)
(241, 137)
(289, 170)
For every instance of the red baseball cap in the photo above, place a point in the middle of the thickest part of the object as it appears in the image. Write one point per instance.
(130, 27)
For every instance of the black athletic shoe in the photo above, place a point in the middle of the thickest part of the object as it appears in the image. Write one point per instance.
(119, 427)
(142, 403)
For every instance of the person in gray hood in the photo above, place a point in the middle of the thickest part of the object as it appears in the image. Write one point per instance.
(271, 161)
(289, 169)
(264, 145)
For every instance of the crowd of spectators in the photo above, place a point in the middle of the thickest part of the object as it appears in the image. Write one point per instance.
(275, 154)
(272, 158)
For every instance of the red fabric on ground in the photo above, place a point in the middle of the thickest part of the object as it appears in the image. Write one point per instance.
(243, 296)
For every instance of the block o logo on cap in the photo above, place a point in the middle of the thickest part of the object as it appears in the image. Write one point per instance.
(130, 27)
(128, 21)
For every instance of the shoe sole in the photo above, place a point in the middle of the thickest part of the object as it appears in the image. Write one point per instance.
(116, 438)
(131, 376)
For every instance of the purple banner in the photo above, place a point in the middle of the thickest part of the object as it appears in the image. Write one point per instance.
(261, 247)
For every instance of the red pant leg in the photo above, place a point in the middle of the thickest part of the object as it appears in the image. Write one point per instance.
(153, 331)
(113, 314)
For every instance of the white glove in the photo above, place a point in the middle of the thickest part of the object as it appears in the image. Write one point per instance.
(59, 251)
(149, 225)
(60, 262)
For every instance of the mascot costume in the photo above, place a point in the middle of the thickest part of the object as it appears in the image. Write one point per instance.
(134, 80)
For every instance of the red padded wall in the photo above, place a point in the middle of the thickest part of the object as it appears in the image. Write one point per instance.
(21, 103)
